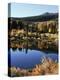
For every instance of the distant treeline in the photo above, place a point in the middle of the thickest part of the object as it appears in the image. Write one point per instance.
(43, 17)
(22, 23)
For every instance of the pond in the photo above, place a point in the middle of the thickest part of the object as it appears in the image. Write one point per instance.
(27, 58)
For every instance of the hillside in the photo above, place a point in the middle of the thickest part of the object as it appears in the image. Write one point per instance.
(44, 17)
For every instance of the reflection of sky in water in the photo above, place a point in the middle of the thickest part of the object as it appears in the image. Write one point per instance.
(30, 59)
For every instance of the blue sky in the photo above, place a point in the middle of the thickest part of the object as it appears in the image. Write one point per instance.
(24, 10)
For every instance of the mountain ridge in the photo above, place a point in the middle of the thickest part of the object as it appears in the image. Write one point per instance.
(43, 17)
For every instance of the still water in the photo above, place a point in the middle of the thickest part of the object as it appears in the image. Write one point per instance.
(29, 58)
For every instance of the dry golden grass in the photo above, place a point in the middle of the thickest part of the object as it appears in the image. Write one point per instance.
(47, 66)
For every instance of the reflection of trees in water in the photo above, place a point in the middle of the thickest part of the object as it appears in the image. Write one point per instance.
(25, 44)
(20, 49)
(32, 44)
(14, 49)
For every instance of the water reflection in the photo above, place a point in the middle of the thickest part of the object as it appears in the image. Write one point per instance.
(33, 44)
(19, 57)
(26, 53)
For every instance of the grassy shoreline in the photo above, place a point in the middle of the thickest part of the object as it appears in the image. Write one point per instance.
(47, 67)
